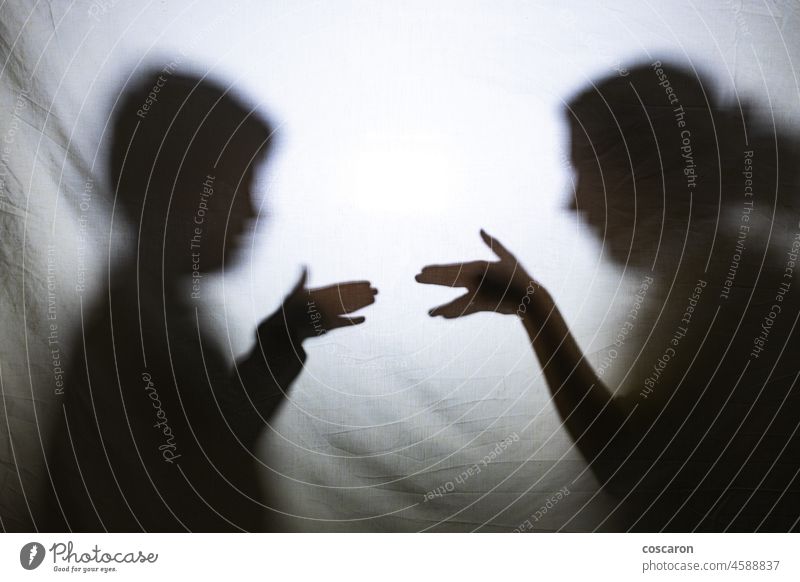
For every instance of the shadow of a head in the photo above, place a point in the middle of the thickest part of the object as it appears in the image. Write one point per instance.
(182, 165)
(659, 160)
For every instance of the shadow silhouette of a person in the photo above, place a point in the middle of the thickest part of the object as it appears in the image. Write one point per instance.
(700, 430)
(157, 432)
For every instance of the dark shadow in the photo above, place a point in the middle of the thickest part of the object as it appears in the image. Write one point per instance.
(690, 417)
(158, 434)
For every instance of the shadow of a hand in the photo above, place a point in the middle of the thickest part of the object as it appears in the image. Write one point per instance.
(314, 312)
(491, 286)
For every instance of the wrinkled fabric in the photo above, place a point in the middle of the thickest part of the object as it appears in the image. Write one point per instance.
(387, 419)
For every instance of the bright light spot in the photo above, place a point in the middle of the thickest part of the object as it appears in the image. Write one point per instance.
(402, 174)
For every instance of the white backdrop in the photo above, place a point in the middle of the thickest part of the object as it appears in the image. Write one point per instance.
(404, 127)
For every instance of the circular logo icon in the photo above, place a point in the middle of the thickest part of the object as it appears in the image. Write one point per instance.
(31, 555)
